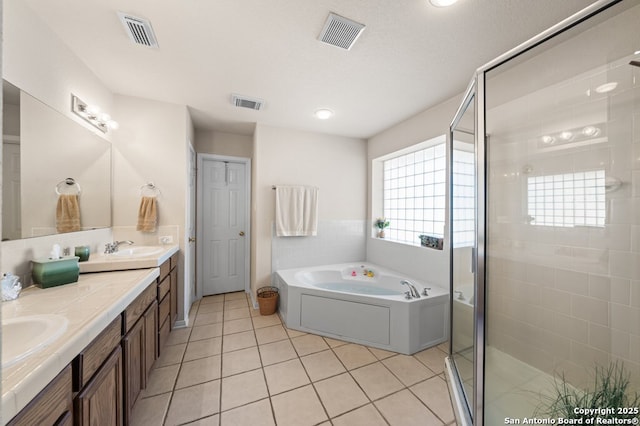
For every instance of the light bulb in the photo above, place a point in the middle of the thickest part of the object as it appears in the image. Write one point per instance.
(92, 110)
(567, 136)
(591, 131)
(442, 3)
(548, 140)
(324, 113)
(113, 125)
(104, 117)
(607, 87)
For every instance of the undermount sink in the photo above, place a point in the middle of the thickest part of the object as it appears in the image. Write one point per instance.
(25, 336)
(137, 251)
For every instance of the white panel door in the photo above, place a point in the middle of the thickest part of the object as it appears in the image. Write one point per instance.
(224, 224)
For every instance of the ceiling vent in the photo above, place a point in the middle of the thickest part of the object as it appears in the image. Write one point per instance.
(139, 30)
(341, 32)
(246, 102)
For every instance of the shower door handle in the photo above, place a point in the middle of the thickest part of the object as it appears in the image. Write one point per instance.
(473, 260)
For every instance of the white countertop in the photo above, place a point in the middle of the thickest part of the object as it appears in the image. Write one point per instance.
(89, 305)
(99, 262)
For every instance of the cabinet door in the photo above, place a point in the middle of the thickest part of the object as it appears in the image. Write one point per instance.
(134, 366)
(100, 402)
(174, 297)
(50, 405)
(150, 318)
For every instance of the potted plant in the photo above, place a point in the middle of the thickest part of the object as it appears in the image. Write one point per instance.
(381, 223)
(612, 394)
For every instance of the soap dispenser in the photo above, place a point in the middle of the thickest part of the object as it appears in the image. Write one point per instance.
(11, 287)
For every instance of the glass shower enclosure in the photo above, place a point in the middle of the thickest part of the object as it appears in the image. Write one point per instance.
(545, 228)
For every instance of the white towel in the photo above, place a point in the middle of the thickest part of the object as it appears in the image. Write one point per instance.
(296, 211)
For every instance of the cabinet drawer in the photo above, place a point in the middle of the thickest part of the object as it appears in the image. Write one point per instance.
(174, 260)
(53, 403)
(164, 269)
(163, 287)
(94, 355)
(164, 308)
(138, 306)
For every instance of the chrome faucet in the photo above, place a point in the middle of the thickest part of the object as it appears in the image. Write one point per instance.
(113, 247)
(413, 291)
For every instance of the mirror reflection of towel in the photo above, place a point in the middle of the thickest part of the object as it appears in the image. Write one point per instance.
(68, 213)
(147, 215)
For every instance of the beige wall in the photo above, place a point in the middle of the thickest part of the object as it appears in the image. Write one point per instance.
(38, 62)
(222, 143)
(429, 265)
(336, 165)
(151, 145)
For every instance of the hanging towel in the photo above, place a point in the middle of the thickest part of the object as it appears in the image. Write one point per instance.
(68, 213)
(147, 214)
(296, 211)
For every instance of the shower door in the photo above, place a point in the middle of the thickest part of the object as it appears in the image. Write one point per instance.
(463, 249)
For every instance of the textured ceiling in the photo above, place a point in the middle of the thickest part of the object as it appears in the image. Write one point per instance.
(410, 56)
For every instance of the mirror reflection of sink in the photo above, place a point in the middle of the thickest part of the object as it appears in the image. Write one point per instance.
(137, 251)
(24, 336)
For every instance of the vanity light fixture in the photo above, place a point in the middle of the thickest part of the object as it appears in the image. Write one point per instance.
(323, 113)
(584, 135)
(442, 3)
(91, 113)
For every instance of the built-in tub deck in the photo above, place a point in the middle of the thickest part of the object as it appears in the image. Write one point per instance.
(363, 303)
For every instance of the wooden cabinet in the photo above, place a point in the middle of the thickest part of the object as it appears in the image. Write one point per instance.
(133, 346)
(174, 297)
(103, 382)
(52, 406)
(100, 402)
(139, 350)
(167, 299)
(150, 319)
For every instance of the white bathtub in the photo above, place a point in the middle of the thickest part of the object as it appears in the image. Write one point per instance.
(340, 301)
(462, 322)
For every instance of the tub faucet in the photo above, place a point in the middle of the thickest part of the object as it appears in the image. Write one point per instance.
(113, 247)
(412, 289)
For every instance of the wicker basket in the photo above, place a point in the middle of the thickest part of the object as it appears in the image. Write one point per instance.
(268, 300)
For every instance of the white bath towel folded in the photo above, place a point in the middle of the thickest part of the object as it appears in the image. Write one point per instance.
(296, 211)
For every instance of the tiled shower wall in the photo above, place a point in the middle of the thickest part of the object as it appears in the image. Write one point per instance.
(338, 241)
(564, 299)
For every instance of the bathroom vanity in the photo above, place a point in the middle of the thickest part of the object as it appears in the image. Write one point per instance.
(118, 324)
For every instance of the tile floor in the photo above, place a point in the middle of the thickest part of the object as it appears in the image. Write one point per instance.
(236, 367)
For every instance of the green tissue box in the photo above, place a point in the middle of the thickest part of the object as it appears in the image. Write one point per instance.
(53, 272)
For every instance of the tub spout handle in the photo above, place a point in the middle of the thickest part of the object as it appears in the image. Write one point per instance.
(407, 295)
(425, 291)
(413, 290)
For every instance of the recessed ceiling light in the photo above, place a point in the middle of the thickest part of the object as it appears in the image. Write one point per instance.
(324, 113)
(607, 87)
(442, 3)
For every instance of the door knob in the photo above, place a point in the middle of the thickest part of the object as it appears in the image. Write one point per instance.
(192, 239)
(241, 233)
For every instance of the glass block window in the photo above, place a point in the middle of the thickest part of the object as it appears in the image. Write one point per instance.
(567, 200)
(463, 199)
(414, 194)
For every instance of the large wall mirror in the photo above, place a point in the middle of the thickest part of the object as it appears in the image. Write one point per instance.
(46, 157)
